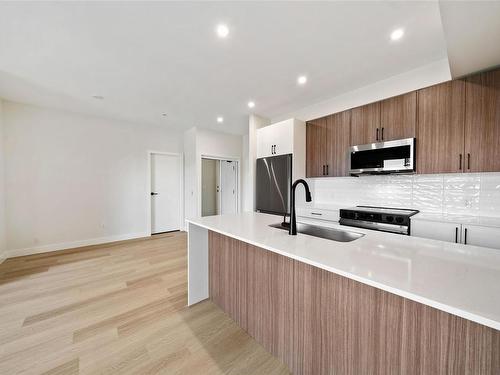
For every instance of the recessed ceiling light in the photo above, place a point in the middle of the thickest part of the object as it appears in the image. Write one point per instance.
(164, 114)
(302, 80)
(251, 104)
(220, 119)
(100, 97)
(222, 30)
(397, 34)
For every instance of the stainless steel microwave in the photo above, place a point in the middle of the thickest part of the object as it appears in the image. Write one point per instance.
(383, 157)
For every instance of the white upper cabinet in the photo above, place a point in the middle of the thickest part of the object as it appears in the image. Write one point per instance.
(280, 138)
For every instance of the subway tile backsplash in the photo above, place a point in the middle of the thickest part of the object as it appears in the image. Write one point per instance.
(471, 193)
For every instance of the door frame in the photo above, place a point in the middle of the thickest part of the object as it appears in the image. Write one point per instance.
(238, 177)
(150, 153)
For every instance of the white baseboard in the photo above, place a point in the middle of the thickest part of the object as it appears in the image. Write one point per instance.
(3, 256)
(71, 245)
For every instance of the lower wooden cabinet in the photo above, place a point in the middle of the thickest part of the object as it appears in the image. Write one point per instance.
(318, 322)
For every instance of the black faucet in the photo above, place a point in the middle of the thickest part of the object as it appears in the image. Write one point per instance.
(293, 219)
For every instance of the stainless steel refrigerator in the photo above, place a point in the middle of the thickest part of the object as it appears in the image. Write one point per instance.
(273, 185)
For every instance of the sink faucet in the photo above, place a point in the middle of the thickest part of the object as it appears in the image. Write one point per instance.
(293, 219)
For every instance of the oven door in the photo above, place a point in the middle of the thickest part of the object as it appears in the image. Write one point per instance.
(383, 157)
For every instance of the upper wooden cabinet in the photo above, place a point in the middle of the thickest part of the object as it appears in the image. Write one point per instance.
(398, 117)
(316, 147)
(440, 140)
(337, 146)
(482, 122)
(327, 144)
(389, 119)
(365, 122)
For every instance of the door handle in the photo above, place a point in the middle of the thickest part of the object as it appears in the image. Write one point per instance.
(468, 160)
(154, 193)
(327, 169)
(465, 236)
(456, 234)
(460, 163)
(382, 134)
(376, 138)
(323, 169)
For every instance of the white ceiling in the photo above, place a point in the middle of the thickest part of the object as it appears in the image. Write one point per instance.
(150, 58)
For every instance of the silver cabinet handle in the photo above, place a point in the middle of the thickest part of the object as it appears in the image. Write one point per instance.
(316, 213)
(465, 236)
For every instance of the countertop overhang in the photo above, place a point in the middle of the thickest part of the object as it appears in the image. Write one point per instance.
(459, 279)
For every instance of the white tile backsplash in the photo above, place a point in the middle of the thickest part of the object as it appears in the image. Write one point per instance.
(471, 193)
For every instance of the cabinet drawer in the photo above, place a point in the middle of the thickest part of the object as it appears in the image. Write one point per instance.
(319, 214)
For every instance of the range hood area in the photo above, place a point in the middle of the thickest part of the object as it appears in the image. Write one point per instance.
(396, 156)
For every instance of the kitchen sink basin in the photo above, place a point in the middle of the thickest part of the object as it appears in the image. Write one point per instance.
(322, 232)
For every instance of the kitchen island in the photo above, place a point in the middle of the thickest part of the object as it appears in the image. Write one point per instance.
(383, 303)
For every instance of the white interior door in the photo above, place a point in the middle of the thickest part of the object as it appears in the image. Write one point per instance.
(228, 187)
(165, 193)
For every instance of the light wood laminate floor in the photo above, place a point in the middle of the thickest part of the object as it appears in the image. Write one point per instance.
(117, 308)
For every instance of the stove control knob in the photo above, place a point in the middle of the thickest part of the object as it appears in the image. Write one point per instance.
(389, 219)
(399, 219)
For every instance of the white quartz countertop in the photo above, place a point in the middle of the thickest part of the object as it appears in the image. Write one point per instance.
(460, 279)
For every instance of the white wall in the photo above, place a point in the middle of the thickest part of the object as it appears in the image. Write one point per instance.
(199, 143)
(73, 179)
(3, 239)
(249, 161)
(424, 76)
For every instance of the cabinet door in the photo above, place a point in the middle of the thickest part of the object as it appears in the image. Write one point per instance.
(316, 148)
(398, 117)
(440, 130)
(449, 232)
(264, 142)
(337, 147)
(365, 121)
(282, 137)
(482, 122)
(481, 236)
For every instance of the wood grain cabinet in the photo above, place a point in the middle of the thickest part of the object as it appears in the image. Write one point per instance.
(321, 323)
(482, 122)
(327, 145)
(398, 117)
(440, 141)
(316, 148)
(365, 122)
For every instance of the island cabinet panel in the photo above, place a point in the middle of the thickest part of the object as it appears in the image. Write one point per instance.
(228, 276)
(482, 122)
(440, 131)
(365, 122)
(342, 326)
(254, 287)
(316, 148)
(398, 117)
(320, 323)
(270, 301)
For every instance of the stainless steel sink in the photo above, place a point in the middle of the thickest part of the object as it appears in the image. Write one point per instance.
(322, 232)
